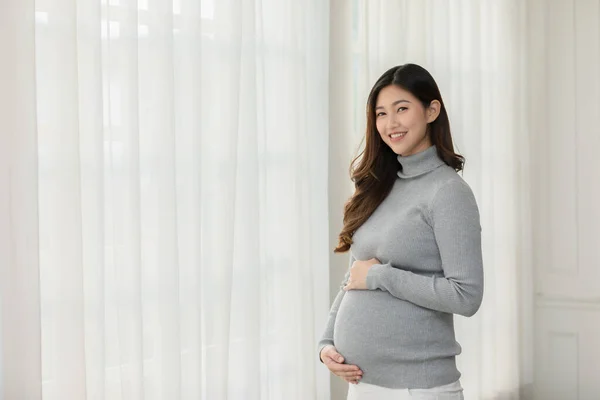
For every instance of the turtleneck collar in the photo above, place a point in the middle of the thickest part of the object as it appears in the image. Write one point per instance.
(419, 163)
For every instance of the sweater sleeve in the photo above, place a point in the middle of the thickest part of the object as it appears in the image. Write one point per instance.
(454, 216)
(327, 338)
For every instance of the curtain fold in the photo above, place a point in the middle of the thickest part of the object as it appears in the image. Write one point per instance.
(20, 340)
(175, 151)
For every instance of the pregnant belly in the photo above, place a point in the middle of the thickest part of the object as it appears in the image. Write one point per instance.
(373, 326)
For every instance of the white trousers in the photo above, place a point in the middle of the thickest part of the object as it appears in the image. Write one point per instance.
(365, 391)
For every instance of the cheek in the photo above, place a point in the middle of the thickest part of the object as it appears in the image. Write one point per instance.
(416, 121)
(380, 127)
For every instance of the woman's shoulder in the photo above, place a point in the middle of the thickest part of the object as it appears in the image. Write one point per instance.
(446, 176)
(449, 186)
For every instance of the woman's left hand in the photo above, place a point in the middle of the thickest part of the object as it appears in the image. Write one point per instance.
(358, 274)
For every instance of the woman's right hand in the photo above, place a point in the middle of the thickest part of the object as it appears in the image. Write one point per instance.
(335, 362)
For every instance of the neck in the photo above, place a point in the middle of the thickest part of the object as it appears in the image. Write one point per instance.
(419, 163)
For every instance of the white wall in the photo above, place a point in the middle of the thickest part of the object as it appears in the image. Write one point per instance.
(564, 69)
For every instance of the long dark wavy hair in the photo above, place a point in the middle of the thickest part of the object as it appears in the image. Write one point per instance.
(375, 169)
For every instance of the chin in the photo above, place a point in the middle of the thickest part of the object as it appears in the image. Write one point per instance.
(402, 150)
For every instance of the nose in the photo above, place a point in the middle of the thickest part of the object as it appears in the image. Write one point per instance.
(393, 122)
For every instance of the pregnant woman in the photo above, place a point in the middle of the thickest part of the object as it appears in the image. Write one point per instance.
(413, 230)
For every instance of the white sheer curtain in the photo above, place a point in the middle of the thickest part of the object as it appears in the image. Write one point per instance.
(164, 201)
(476, 52)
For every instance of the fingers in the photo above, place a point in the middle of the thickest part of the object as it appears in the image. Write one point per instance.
(354, 378)
(348, 284)
(349, 281)
(332, 354)
(344, 370)
(334, 361)
(350, 374)
(337, 357)
(352, 381)
(327, 352)
(339, 368)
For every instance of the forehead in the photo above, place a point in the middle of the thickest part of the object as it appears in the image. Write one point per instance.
(392, 93)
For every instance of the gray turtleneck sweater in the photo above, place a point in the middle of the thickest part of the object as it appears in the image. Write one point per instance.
(427, 236)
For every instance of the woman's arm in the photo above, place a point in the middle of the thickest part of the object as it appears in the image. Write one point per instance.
(327, 337)
(455, 220)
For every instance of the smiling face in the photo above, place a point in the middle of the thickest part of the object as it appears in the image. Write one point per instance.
(402, 120)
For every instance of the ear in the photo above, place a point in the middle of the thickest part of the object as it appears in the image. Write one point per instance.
(433, 111)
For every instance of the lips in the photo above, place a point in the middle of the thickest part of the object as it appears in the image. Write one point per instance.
(395, 136)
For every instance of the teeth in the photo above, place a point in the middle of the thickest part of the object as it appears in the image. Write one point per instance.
(395, 135)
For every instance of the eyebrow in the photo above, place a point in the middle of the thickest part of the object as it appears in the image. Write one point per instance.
(394, 103)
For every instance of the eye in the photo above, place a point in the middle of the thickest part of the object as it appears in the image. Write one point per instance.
(402, 109)
(380, 114)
